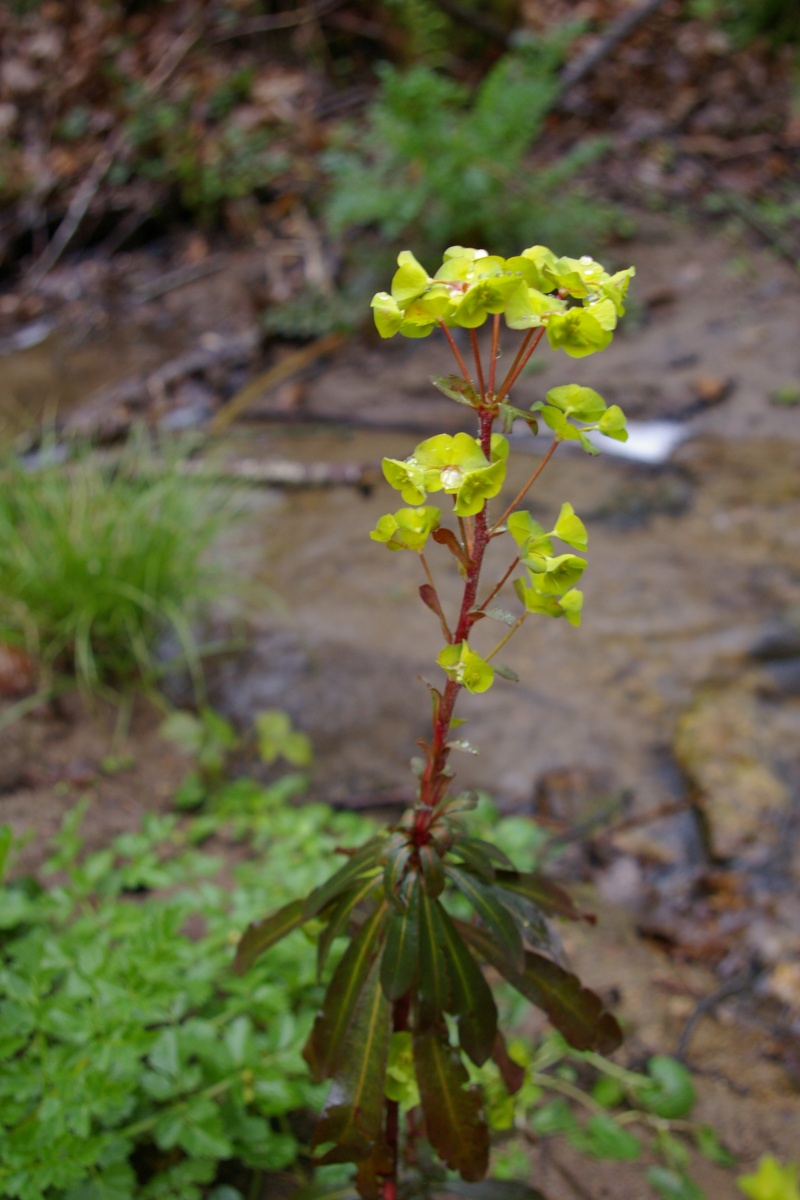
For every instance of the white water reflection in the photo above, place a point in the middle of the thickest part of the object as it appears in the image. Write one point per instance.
(648, 441)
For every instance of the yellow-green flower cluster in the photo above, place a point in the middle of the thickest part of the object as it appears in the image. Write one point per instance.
(454, 464)
(531, 289)
(550, 577)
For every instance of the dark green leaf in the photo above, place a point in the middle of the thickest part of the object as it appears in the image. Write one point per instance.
(466, 802)
(674, 1185)
(453, 1112)
(353, 1112)
(671, 1094)
(548, 896)
(433, 981)
(394, 871)
(432, 870)
(324, 1049)
(494, 915)
(513, 1073)
(474, 859)
(262, 934)
(401, 950)
(339, 919)
(362, 860)
(472, 1002)
(576, 1012)
(492, 852)
(532, 922)
(604, 1138)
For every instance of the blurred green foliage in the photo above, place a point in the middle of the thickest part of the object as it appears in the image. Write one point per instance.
(441, 165)
(98, 564)
(776, 20)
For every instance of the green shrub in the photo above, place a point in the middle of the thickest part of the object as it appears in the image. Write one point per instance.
(134, 1062)
(777, 21)
(96, 566)
(443, 167)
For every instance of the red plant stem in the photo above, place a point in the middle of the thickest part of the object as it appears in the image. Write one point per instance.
(457, 353)
(495, 349)
(434, 781)
(528, 485)
(476, 354)
(517, 359)
(519, 364)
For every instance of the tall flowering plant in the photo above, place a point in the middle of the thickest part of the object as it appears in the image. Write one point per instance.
(408, 1002)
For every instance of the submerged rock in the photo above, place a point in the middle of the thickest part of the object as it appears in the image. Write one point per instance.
(723, 749)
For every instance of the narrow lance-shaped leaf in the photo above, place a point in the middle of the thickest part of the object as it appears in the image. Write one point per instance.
(473, 1002)
(492, 852)
(340, 914)
(575, 1011)
(475, 859)
(362, 860)
(433, 982)
(493, 914)
(352, 1116)
(533, 923)
(552, 899)
(453, 1113)
(259, 936)
(432, 869)
(324, 1048)
(401, 950)
(394, 873)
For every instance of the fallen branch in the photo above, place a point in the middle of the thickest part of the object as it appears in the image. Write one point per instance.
(616, 32)
(282, 473)
(180, 277)
(269, 379)
(284, 20)
(101, 415)
(87, 189)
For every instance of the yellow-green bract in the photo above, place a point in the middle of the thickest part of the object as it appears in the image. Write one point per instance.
(454, 464)
(531, 289)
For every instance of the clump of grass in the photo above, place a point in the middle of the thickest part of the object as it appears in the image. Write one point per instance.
(98, 564)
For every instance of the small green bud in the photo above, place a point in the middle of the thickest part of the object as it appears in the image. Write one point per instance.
(466, 667)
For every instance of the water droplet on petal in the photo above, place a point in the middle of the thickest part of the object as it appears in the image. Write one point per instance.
(451, 478)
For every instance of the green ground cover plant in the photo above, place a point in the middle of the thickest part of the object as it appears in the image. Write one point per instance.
(134, 1062)
(99, 564)
(437, 161)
